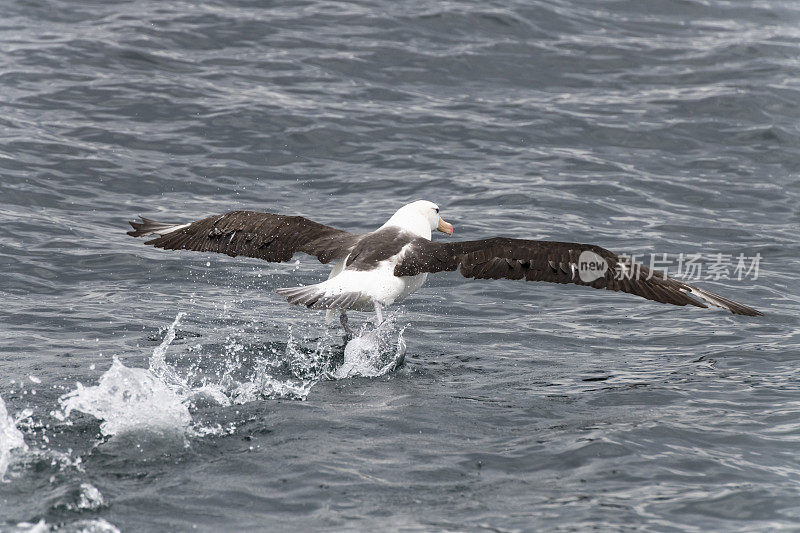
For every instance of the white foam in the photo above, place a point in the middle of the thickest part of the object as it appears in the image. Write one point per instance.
(136, 399)
(28, 527)
(90, 498)
(374, 352)
(12, 441)
(130, 399)
(307, 367)
(158, 399)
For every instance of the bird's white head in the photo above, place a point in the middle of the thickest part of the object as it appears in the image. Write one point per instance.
(420, 217)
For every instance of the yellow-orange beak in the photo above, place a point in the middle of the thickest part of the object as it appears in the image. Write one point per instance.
(444, 227)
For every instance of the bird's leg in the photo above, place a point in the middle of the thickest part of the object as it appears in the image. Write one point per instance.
(343, 320)
(378, 314)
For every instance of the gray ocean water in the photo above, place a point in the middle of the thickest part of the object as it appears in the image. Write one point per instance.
(645, 127)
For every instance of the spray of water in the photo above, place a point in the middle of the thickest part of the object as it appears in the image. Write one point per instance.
(130, 399)
(374, 351)
(159, 399)
(11, 439)
(136, 399)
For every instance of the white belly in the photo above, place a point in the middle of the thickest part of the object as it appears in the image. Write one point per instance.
(379, 285)
(412, 285)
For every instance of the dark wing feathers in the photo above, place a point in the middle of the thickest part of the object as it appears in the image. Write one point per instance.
(555, 262)
(261, 235)
(278, 237)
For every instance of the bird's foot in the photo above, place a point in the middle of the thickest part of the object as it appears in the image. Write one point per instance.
(349, 335)
(348, 332)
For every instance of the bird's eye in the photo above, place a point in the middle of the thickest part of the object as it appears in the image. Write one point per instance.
(437, 209)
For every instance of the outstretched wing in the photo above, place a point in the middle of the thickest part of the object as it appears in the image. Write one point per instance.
(262, 235)
(556, 262)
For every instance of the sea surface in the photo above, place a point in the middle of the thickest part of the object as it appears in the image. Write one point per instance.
(145, 390)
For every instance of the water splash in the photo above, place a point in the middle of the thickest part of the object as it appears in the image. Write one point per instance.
(11, 439)
(158, 399)
(374, 352)
(129, 400)
(86, 497)
(174, 381)
(305, 362)
(158, 364)
(290, 375)
(136, 399)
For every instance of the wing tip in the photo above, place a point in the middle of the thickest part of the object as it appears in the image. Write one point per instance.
(720, 301)
(148, 226)
(138, 227)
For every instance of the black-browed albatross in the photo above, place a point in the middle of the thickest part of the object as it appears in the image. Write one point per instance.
(376, 269)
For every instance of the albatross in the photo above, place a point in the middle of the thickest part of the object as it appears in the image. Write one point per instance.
(376, 269)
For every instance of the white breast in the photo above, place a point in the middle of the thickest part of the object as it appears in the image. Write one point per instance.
(376, 285)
